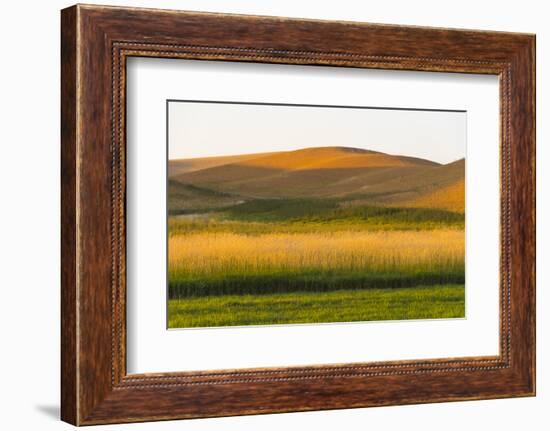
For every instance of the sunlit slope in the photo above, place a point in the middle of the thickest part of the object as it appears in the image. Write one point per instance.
(451, 198)
(322, 172)
(428, 186)
(353, 175)
(181, 166)
(331, 158)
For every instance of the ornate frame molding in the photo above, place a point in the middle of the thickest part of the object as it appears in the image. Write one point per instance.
(96, 41)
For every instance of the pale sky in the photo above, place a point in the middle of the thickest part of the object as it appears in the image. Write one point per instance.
(212, 129)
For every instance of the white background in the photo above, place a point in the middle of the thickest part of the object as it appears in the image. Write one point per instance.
(29, 229)
(151, 348)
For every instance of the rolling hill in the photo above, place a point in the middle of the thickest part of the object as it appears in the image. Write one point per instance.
(182, 166)
(450, 198)
(352, 176)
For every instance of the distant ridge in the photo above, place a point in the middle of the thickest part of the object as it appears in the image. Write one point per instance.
(181, 166)
(360, 175)
(306, 158)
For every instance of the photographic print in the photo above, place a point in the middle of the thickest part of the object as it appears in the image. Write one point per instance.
(307, 214)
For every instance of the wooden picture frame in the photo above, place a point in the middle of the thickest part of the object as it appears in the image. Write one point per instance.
(95, 43)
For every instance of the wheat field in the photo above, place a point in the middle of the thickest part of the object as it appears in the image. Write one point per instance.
(204, 254)
(203, 264)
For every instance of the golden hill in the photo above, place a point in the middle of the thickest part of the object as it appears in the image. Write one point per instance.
(304, 159)
(181, 166)
(356, 175)
(326, 171)
(330, 158)
(451, 198)
(406, 188)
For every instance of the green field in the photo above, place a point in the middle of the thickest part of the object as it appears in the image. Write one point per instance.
(422, 302)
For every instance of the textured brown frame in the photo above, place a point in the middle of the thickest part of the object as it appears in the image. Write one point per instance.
(96, 41)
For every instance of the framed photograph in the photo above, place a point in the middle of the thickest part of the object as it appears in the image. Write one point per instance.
(265, 215)
(289, 228)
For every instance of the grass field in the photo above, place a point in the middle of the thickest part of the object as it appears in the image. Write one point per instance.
(226, 272)
(203, 264)
(423, 302)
